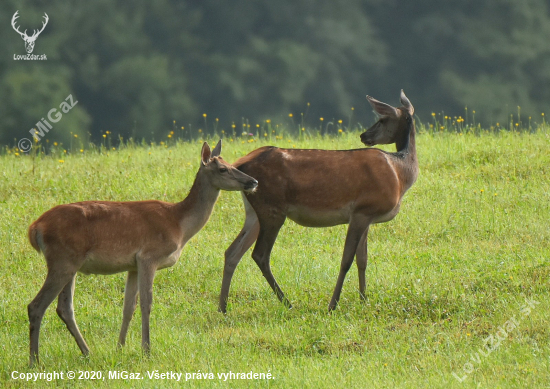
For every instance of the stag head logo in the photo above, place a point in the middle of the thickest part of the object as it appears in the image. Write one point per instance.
(29, 40)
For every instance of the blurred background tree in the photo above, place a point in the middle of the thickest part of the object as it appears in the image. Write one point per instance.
(135, 67)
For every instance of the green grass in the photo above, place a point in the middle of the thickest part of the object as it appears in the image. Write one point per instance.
(470, 245)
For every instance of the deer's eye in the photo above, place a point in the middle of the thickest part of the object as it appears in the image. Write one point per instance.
(223, 170)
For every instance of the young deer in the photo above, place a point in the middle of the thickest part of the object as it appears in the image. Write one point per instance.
(140, 237)
(321, 188)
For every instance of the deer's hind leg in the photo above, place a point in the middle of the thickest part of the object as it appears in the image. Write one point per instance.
(235, 252)
(65, 311)
(130, 302)
(54, 284)
(269, 229)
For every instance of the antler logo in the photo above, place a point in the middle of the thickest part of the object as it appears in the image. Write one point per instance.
(29, 40)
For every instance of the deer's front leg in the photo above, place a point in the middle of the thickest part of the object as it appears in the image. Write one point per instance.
(361, 257)
(357, 227)
(146, 275)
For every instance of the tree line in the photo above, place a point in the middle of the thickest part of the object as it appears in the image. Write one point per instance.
(136, 67)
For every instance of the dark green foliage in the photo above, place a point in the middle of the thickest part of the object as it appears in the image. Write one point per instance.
(134, 67)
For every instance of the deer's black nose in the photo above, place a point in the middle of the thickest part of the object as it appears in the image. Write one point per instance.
(250, 185)
(365, 141)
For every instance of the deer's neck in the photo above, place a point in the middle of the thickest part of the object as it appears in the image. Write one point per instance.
(195, 210)
(407, 162)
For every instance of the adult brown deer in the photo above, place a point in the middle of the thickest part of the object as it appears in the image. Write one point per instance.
(321, 188)
(140, 237)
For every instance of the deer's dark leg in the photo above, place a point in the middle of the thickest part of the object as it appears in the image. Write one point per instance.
(235, 252)
(130, 302)
(145, 278)
(356, 229)
(55, 282)
(65, 311)
(269, 228)
(361, 255)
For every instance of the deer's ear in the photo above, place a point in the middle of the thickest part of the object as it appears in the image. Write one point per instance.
(382, 109)
(217, 150)
(205, 153)
(406, 103)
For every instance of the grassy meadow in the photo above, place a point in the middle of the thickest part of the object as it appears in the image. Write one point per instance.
(447, 279)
